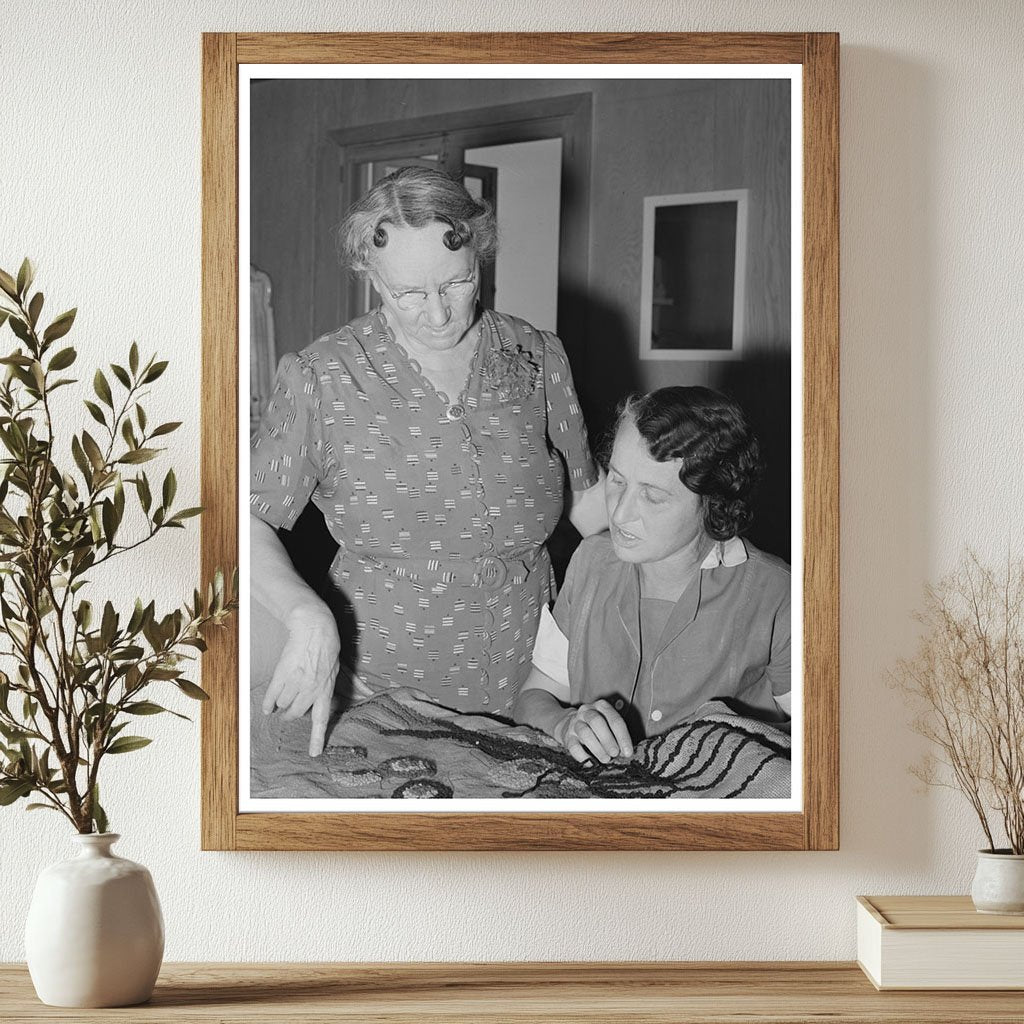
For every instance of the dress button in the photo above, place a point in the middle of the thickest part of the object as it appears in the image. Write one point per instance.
(619, 704)
(455, 412)
(655, 715)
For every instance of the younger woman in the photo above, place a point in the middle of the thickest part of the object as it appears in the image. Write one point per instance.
(671, 608)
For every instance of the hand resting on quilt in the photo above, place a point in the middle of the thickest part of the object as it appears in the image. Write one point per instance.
(593, 730)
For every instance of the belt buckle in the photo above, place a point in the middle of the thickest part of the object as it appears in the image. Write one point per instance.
(491, 572)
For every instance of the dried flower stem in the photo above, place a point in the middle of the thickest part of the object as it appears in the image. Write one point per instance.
(967, 678)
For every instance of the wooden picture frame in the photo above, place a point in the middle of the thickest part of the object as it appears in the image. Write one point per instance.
(816, 825)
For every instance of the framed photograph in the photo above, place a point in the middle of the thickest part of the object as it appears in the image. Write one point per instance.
(693, 276)
(451, 244)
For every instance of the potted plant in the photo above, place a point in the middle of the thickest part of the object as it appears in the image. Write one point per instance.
(967, 680)
(81, 672)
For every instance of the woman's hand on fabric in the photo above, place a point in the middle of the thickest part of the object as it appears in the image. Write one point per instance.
(588, 511)
(594, 730)
(306, 673)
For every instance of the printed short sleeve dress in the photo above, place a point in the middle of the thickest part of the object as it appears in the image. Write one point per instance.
(441, 507)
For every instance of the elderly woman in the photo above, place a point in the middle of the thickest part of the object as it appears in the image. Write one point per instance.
(672, 608)
(436, 439)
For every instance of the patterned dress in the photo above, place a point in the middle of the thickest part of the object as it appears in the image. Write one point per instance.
(441, 507)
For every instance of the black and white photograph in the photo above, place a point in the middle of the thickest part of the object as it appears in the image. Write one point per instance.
(524, 438)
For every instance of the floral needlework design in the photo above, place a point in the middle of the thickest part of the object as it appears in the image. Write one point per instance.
(511, 373)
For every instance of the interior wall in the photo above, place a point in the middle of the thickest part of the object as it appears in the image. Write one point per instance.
(103, 190)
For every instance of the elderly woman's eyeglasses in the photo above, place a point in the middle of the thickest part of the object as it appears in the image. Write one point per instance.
(450, 291)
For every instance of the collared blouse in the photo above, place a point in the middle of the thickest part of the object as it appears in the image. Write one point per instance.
(728, 636)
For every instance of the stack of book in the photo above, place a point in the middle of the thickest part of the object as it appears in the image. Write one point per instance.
(906, 942)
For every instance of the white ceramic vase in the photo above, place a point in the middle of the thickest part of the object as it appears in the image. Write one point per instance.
(999, 882)
(95, 933)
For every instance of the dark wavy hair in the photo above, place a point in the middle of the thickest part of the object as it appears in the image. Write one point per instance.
(709, 432)
(415, 197)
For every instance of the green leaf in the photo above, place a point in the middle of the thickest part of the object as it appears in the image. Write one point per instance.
(128, 433)
(165, 428)
(10, 442)
(95, 412)
(170, 488)
(26, 273)
(125, 744)
(191, 690)
(185, 513)
(80, 459)
(102, 388)
(8, 284)
(92, 449)
(108, 627)
(20, 328)
(135, 622)
(41, 807)
(16, 359)
(139, 455)
(170, 674)
(121, 374)
(119, 498)
(144, 707)
(145, 497)
(15, 790)
(4, 314)
(140, 415)
(154, 371)
(129, 653)
(34, 308)
(60, 326)
(63, 359)
(133, 358)
(109, 521)
(99, 816)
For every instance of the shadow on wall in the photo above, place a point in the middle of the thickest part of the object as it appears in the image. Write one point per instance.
(761, 385)
(607, 370)
(890, 264)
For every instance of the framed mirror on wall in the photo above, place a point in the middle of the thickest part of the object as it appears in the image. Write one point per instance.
(679, 189)
(693, 295)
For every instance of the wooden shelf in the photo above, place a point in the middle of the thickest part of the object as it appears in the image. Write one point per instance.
(525, 993)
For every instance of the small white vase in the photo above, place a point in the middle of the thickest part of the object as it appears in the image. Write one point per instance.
(95, 934)
(999, 882)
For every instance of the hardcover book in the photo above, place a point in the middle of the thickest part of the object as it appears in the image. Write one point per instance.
(938, 942)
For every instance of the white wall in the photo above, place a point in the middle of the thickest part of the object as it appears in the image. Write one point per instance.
(99, 167)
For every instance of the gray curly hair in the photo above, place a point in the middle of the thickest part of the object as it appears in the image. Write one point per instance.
(415, 197)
